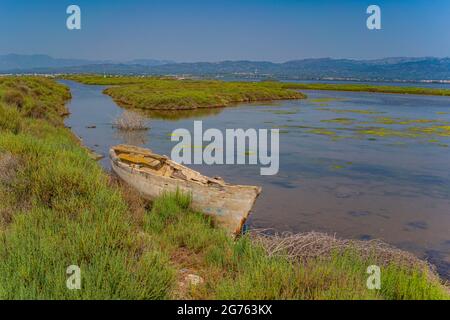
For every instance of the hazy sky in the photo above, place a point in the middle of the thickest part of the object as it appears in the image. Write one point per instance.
(213, 30)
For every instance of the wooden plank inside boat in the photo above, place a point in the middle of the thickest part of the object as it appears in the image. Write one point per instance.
(121, 148)
(139, 159)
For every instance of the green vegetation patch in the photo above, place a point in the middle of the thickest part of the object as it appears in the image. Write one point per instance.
(344, 121)
(399, 121)
(367, 88)
(171, 94)
(358, 111)
(385, 132)
(342, 165)
(440, 130)
(322, 131)
(282, 112)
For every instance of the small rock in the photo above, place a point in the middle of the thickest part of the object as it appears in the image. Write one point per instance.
(194, 280)
(95, 156)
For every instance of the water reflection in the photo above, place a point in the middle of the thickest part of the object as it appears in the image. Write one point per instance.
(176, 115)
(133, 137)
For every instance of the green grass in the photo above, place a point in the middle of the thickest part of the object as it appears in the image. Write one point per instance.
(367, 88)
(169, 94)
(59, 208)
(61, 211)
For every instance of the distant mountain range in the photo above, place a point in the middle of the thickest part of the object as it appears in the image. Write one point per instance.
(401, 68)
(14, 62)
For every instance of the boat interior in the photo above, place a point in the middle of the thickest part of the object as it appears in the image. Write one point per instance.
(147, 161)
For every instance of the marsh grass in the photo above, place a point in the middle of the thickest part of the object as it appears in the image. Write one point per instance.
(72, 216)
(169, 94)
(368, 88)
(14, 98)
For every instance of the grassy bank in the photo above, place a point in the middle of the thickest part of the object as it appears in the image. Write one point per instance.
(367, 88)
(170, 94)
(60, 209)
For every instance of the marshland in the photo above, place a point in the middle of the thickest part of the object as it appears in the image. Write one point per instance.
(339, 175)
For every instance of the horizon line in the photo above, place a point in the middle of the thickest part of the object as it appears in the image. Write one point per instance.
(170, 61)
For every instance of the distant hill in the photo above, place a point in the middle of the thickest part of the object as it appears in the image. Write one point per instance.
(381, 69)
(397, 68)
(18, 62)
(148, 62)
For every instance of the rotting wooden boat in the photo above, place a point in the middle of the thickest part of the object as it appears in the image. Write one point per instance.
(151, 174)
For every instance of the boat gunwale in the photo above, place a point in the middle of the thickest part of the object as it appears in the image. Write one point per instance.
(138, 170)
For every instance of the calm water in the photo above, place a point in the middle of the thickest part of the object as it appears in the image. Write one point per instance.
(355, 186)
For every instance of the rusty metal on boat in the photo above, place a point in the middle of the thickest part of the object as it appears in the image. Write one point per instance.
(152, 174)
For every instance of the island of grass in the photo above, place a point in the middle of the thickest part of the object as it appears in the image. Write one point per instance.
(367, 88)
(59, 208)
(154, 93)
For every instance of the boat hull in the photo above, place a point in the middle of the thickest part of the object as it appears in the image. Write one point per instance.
(229, 205)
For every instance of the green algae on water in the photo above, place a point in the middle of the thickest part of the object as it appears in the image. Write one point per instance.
(346, 121)
(323, 102)
(440, 130)
(285, 112)
(341, 165)
(282, 112)
(289, 126)
(389, 120)
(358, 111)
(322, 131)
(385, 132)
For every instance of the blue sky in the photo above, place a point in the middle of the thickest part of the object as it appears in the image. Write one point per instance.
(214, 30)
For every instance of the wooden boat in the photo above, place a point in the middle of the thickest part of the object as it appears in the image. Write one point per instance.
(151, 174)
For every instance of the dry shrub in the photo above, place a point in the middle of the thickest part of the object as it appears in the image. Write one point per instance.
(37, 111)
(9, 165)
(23, 88)
(308, 246)
(130, 121)
(14, 98)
